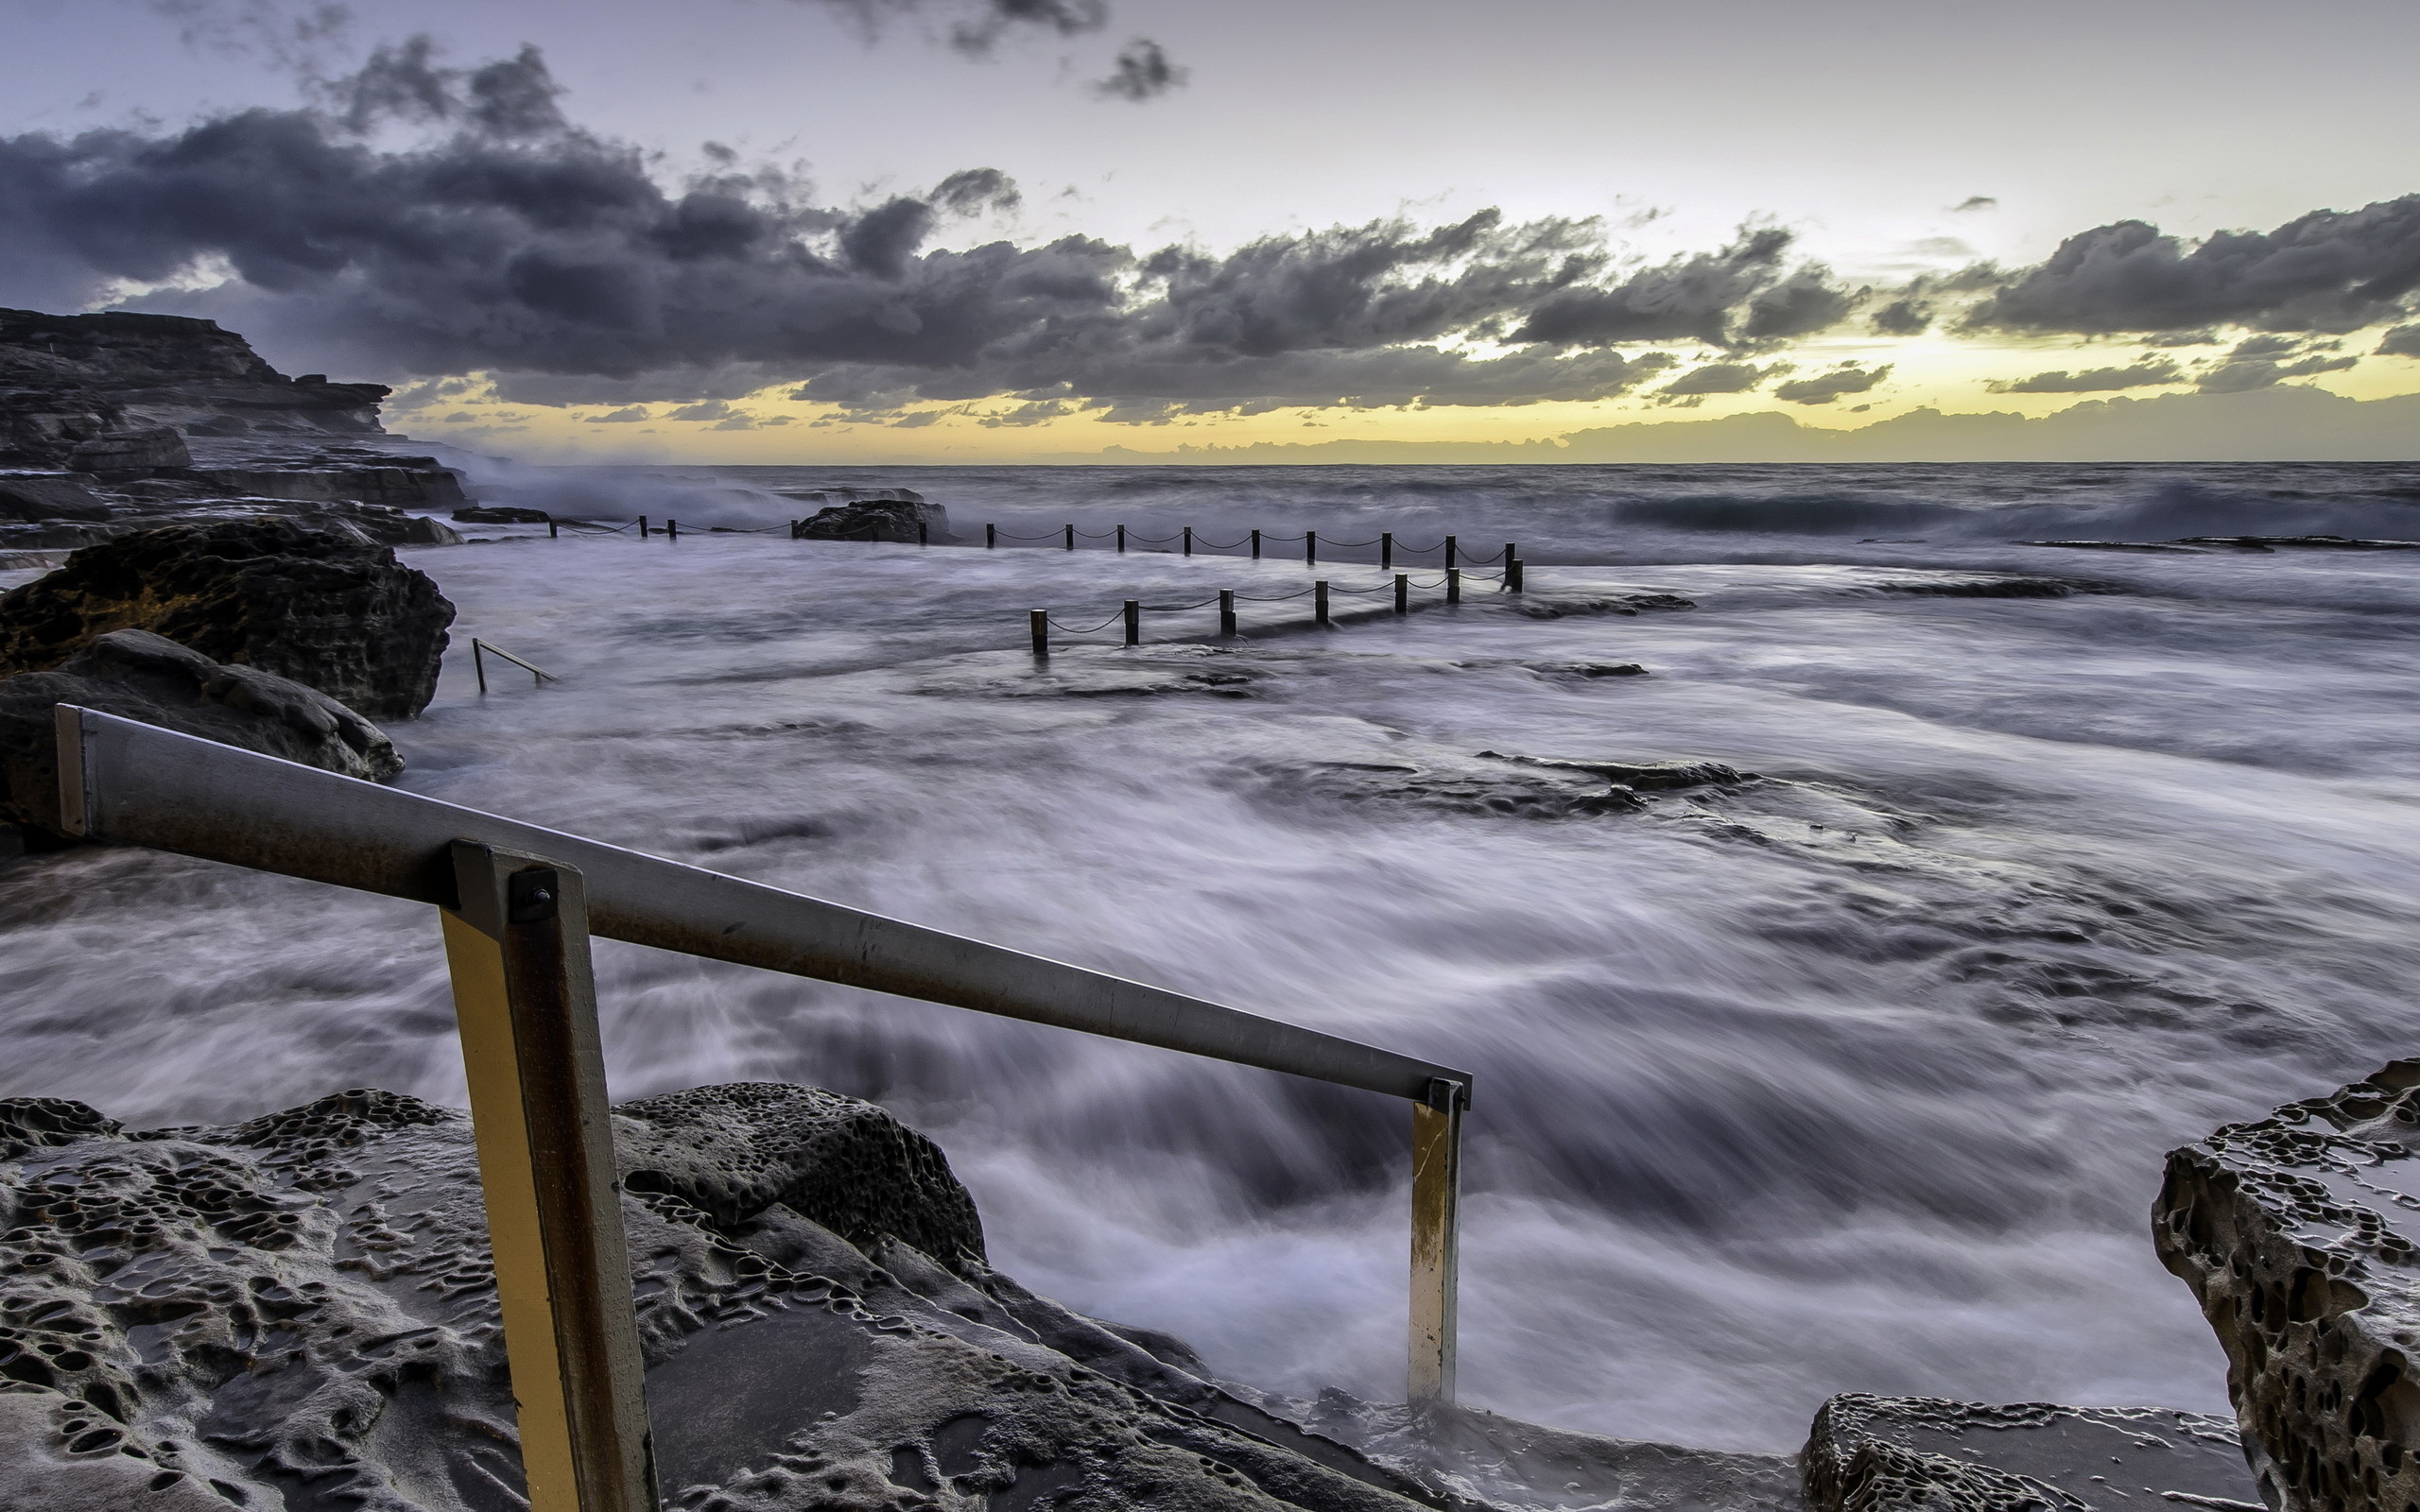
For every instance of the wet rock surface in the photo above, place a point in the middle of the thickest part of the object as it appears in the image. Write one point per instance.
(1098, 671)
(1555, 606)
(35, 496)
(2300, 1236)
(893, 517)
(323, 606)
(1867, 1453)
(141, 675)
(1482, 1458)
(300, 1310)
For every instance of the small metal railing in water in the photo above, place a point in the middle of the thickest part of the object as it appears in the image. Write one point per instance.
(518, 905)
(480, 651)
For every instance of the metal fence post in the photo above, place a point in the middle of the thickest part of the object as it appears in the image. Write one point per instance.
(1121, 538)
(516, 944)
(1134, 622)
(1039, 622)
(1310, 548)
(1256, 545)
(1403, 592)
(671, 528)
(1226, 611)
(478, 663)
(1453, 585)
(552, 530)
(642, 527)
(924, 533)
(1512, 575)
(1386, 549)
(1436, 1240)
(1318, 602)
(1450, 544)
(1188, 541)
(1071, 537)
(991, 537)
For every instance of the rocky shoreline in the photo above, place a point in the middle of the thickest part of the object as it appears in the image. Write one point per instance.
(302, 1306)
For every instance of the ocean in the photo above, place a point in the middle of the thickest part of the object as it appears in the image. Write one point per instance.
(1854, 1076)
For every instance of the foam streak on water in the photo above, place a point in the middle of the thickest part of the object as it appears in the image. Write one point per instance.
(1856, 1081)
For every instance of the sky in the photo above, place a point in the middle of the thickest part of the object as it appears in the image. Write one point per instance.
(927, 231)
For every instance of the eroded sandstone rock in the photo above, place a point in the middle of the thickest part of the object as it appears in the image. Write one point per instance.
(300, 1309)
(1872, 1454)
(2300, 1236)
(323, 606)
(140, 676)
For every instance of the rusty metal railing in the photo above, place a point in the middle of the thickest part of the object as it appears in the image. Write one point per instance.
(519, 904)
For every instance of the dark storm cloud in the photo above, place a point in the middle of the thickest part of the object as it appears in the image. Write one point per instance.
(1699, 298)
(972, 191)
(2329, 270)
(2403, 341)
(512, 242)
(1824, 388)
(1143, 72)
(1904, 318)
(509, 97)
(2092, 380)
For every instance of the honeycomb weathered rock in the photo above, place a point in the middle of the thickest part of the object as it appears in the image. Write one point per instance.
(2297, 1233)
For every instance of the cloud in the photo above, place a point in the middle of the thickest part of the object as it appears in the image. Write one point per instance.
(1975, 202)
(1721, 378)
(2264, 361)
(421, 219)
(2329, 270)
(993, 19)
(1824, 388)
(972, 191)
(2403, 341)
(1701, 297)
(1143, 72)
(2146, 375)
(621, 416)
(1904, 318)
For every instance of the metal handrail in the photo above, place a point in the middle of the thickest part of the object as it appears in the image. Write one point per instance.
(131, 782)
(478, 664)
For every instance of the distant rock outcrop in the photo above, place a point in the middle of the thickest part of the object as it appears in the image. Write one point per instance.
(141, 675)
(2300, 1236)
(71, 378)
(114, 423)
(325, 607)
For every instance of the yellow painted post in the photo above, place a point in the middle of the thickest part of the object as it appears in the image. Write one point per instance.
(1436, 1242)
(526, 1002)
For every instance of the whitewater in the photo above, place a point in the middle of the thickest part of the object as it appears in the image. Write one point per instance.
(1854, 1077)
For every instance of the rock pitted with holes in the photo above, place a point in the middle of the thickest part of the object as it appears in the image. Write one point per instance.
(301, 1311)
(2297, 1234)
